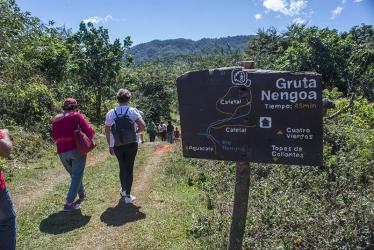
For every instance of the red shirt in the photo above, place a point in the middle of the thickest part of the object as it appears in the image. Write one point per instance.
(2, 181)
(2, 178)
(63, 128)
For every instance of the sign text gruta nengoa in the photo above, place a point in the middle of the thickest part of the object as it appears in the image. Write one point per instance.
(288, 90)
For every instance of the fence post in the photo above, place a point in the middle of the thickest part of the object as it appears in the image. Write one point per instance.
(239, 214)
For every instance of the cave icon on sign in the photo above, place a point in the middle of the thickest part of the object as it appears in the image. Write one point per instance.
(240, 77)
(265, 122)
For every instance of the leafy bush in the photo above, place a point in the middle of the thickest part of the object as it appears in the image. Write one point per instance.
(28, 104)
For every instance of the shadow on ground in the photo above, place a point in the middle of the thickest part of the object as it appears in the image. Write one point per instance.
(121, 214)
(63, 222)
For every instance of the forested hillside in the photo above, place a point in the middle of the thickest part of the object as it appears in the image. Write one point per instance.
(166, 50)
(291, 207)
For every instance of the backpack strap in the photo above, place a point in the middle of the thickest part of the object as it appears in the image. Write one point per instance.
(76, 121)
(115, 112)
(127, 111)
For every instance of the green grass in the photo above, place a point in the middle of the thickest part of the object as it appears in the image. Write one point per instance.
(170, 211)
(44, 226)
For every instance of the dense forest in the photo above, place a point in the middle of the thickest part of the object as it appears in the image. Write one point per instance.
(41, 65)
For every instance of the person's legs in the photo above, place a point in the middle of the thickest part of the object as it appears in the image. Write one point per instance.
(131, 151)
(152, 136)
(66, 161)
(170, 138)
(7, 222)
(163, 136)
(76, 184)
(120, 154)
(74, 164)
(68, 165)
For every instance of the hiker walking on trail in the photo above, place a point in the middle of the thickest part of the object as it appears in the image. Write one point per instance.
(139, 134)
(7, 212)
(176, 134)
(170, 132)
(63, 128)
(121, 137)
(152, 131)
(162, 131)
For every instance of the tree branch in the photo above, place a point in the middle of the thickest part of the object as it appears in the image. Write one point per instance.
(343, 109)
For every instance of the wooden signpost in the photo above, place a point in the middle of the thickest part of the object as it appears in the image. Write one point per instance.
(249, 115)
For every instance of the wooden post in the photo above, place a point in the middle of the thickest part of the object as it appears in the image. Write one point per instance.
(239, 214)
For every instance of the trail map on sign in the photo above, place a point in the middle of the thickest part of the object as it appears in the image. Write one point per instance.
(251, 115)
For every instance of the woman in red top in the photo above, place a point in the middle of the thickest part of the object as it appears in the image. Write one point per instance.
(7, 213)
(63, 128)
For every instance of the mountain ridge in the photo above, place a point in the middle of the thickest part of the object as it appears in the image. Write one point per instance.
(165, 49)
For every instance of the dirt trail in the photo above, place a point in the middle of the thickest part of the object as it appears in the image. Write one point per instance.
(43, 185)
(121, 218)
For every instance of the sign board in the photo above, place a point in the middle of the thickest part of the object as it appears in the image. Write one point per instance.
(251, 115)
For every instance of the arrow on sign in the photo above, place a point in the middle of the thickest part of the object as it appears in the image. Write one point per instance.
(275, 158)
(280, 132)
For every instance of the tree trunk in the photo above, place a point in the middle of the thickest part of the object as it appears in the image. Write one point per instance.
(98, 103)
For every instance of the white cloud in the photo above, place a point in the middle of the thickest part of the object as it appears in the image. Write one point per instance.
(98, 19)
(338, 10)
(299, 20)
(258, 16)
(358, 1)
(288, 8)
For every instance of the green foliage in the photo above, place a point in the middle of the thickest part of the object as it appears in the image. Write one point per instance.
(29, 104)
(346, 60)
(155, 92)
(96, 62)
(203, 62)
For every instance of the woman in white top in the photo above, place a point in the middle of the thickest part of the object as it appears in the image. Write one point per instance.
(125, 149)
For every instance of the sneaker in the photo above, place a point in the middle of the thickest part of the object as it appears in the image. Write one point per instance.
(78, 203)
(122, 192)
(82, 196)
(129, 199)
(71, 206)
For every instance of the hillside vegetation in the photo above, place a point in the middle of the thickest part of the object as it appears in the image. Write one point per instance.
(167, 50)
(290, 207)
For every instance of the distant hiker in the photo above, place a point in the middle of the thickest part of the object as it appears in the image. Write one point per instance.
(63, 128)
(7, 212)
(176, 134)
(139, 135)
(162, 131)
(152, 131)
(170, 132)
(120, 126)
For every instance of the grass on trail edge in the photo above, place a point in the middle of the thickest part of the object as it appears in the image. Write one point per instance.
(170, 211)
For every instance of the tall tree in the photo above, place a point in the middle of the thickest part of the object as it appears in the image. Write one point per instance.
(97, 61)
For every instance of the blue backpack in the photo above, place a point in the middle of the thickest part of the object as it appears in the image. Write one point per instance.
(123, 129)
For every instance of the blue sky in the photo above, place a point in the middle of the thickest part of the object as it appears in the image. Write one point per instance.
(146, 20)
